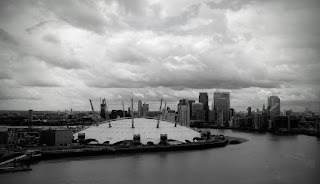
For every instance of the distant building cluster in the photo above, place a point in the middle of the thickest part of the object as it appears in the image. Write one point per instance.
(35, 136)
(19, 127)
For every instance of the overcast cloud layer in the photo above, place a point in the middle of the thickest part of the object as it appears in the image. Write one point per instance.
(56, 54)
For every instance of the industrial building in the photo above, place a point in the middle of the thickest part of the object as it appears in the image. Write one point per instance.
(56, 137)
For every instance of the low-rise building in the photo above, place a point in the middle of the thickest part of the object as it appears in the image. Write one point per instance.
(3, 138)
(56, 137)
(285, 122)
(12, 139)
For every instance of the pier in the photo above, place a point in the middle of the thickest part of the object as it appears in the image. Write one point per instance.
(18, 163)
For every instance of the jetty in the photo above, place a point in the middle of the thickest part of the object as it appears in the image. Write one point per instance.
(17, 163)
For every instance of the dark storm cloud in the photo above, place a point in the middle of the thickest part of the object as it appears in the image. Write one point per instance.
(20, 93)
(11, 44)
(33, 28)
(181, 83)
(229, 4)
(182, 18)
(301, 104)
(7, 38)
(69, 50)
(41, 83)
(4, 75)
(132, 7)
(83, 14)
(7, 97)
(63, 63)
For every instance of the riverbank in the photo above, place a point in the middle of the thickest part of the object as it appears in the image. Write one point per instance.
(265, 158)
(250, 130)
(90, 150)
(107, 150)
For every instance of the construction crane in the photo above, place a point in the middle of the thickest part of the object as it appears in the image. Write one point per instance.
(159, 114)
(93, 113)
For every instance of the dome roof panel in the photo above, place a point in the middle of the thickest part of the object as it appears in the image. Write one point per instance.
(121, 130)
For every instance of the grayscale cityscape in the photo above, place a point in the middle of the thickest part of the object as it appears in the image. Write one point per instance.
(136, 91)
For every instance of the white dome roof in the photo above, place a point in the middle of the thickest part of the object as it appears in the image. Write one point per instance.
(147, 128)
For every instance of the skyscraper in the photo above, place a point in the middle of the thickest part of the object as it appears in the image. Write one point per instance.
(198, 113)
(222, 102)
(203, 98)
(145, 109)
(139, 109)
(184, 112)
(30, 117)
(273, 106)
(103, 109)
(232, 112)
(249, 111)
(190, 105)
(220, 119)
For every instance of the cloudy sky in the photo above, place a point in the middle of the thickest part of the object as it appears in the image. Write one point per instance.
(56, 54)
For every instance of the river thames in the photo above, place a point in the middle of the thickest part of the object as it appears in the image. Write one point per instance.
(265, 158)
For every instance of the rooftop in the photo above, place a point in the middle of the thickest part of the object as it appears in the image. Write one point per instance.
(147, 128)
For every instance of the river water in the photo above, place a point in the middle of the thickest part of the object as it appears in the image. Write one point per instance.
(265, 158)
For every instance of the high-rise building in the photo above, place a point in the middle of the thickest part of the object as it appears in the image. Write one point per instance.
(184, 112)
(171, 115)
(190, 105)
(30, 117)
(222, 102)
(103, 106)
(232, 112)
(249, 111)
(198, 112)
(139, 109)
(220, 117)
(203, 98)
(263, 121)
(256, 120)
(211, 117)
(273, 106)
(145, 109)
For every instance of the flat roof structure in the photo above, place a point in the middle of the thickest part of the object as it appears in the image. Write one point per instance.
(121, 129)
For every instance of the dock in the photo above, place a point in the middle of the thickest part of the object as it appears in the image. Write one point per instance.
(18, 163)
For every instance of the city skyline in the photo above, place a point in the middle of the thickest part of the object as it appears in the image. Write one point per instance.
(57, 55)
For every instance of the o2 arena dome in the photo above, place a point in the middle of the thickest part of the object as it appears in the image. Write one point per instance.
(121, 130)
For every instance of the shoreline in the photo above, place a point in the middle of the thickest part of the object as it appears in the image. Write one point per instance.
(86, 150)
(275, 132)
(111, 150)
